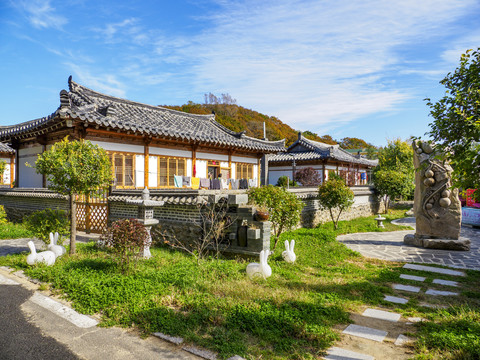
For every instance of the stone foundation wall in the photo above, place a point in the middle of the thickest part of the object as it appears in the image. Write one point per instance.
(366, 204)
(19, 203)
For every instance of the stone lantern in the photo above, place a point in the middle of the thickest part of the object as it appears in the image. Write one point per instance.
(145, 216)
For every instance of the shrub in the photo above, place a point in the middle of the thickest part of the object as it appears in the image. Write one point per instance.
(334, 193)
(42, 223)
(3, 215)
(308, 177)
(284, 181)
(126, 238)
(284, 207)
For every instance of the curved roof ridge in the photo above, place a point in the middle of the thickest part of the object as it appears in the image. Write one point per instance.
(74, 87)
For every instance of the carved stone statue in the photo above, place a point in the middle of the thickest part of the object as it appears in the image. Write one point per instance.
(437, 208)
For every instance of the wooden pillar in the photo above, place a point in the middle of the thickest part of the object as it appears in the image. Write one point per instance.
(145, 167)
(324, 173)
(12, 170)
(259, 170)
(44, 177)
(194, 161)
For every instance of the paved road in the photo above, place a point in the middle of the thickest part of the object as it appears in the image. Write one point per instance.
(29, 330)
(390, 246)
(19, 338)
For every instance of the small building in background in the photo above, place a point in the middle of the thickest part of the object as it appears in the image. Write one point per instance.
(7, 155)
(323, 158)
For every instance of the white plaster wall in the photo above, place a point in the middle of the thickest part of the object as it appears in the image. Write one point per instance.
(169, 152)
(233, 171)
(244, 159)
(189, 167)
(139, 171)
(120, 147)
(27, 175)
(152, 171)
(274, 175)
(255, 174)
(201, 167)
(209, 156)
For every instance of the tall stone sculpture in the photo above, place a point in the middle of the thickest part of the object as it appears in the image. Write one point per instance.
(437, 208)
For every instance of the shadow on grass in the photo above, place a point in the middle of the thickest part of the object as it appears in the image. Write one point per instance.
(293, 327)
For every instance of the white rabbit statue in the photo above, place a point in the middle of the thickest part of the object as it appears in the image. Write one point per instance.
(260, 270)
(59, 250)
(288, 255)
(46, 257)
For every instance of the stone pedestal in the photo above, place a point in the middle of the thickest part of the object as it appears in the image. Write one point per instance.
(145, 216)
(437, 207)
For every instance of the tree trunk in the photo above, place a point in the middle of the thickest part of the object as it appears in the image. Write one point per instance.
(73, 223)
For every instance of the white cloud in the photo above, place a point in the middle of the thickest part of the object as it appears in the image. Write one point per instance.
(312, 63)
(40, 13)
(106, 83)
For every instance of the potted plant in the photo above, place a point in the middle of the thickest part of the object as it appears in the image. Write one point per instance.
(262, 213)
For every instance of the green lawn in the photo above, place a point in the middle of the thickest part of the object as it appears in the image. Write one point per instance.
(13, 231)
(291, 315)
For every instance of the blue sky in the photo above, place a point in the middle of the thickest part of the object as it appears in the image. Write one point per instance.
(345, 68)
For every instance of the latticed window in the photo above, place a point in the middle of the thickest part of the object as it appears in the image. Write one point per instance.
(168, 167)
(123, 169)
(244, 171)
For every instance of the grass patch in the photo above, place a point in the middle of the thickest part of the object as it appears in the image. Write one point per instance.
(291, 315)
(368, 224)
(13, 231)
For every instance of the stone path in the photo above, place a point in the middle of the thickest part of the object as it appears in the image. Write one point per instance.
(380, 334)
(390, 246)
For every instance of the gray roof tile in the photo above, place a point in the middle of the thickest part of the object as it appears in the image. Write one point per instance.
(318, 151)
(106, 111)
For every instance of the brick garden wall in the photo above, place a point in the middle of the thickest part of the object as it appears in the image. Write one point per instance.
(21, 202)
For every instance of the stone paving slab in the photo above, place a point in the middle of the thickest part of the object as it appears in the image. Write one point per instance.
(408, 288)
(433, 269)
(335, 353)
(415, 319)
(382, 315)
(412, 277)
(365, 332)
(401, 340)
(6, 281)
(394, 299)
(445, 282)
(390, 246)
(440, 293)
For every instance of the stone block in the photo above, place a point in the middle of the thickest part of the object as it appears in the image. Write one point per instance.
(382, 315)
(253, 234)
(335, 353)
(237, 199)
(445, 282)
(394, 299)
(408, 288)
(440, 293)
(433, 269)
(447, 244)
(365, 332)
(412, 277)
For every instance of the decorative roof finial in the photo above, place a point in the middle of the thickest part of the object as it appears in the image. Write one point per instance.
(64, 100)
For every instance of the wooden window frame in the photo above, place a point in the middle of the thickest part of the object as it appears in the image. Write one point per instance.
(113, 155)
(168, 158)
(242, 170)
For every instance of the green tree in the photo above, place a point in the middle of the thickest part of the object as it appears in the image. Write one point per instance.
(335, 194)
(3, 165)
(284, 207)
(354, 143)
(391, 184)
(395, 174)
(74, 167)
(456, 126)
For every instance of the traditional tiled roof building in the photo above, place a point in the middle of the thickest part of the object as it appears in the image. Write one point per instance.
(324, 158)
(149, 145)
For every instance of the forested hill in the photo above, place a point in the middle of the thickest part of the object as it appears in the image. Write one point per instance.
(238, 118)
